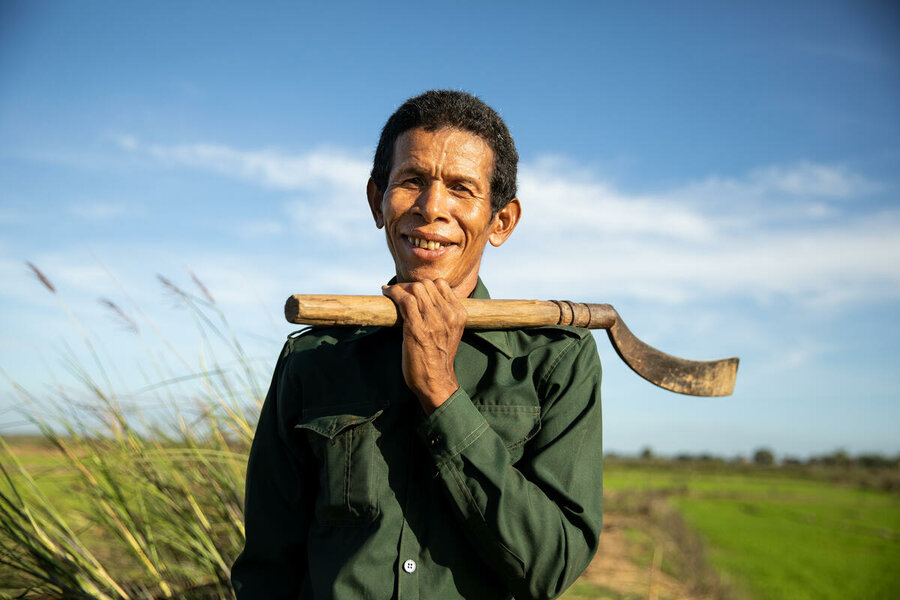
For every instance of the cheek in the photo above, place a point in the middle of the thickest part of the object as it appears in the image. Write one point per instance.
(478, 227)
(390, 218)
(392, 209)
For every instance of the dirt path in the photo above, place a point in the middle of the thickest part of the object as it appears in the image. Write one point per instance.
(617, 569)
(648, 554)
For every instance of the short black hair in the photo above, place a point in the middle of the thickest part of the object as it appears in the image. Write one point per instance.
(436, 109)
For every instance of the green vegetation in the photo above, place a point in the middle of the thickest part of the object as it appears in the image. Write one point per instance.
(112, 502)
(782, 533)
(154, 515)
(582, 590)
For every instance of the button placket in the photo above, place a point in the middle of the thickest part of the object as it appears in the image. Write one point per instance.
(408, 577)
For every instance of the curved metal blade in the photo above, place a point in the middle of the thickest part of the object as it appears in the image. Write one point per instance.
(692, 377)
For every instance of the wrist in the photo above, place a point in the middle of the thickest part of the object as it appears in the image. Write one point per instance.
(433, 398)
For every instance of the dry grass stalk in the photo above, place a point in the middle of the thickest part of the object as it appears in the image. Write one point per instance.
(133, 506)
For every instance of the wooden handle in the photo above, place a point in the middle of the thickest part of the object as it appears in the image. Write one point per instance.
(323, 309)
(697, 378)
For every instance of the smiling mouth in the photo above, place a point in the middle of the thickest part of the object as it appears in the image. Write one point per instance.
(426, 244)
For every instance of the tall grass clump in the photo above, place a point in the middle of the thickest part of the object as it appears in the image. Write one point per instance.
(136, 495)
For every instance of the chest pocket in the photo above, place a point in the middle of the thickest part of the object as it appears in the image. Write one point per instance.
(514, 424)
(344, 447)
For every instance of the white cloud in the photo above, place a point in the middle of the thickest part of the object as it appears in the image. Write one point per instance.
(271, 168)
(809, 180)
(330, 184)
(561, 203)
(714, 238)
(126, 142)
(774, 232)
(335, 217)
(776, 196)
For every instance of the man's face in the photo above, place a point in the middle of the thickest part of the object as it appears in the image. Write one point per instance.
(436, 210)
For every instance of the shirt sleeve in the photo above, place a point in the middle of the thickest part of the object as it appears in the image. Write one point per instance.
(277, 510)
(536, 523)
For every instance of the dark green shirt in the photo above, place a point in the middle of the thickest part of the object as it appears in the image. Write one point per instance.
(352, 492)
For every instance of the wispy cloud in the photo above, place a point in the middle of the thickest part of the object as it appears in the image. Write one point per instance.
(563, 202)
(270, 168)
(777, 231)
(806, 179)
(328, 185)
(720, 236)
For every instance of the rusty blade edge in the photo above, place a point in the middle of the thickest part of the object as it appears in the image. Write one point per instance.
(690, 377)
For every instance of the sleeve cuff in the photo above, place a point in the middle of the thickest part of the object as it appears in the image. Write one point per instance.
(453, 427)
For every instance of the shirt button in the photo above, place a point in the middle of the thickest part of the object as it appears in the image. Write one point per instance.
(434, 440)
(409, 566)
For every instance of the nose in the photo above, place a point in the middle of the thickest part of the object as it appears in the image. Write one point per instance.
(433, 202)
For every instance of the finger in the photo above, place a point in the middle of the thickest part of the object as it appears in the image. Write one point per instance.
(420, 293)
(442, 286)
(407, 304)
(431, 302)
(402, 286)
(413, 288)
(431, 305)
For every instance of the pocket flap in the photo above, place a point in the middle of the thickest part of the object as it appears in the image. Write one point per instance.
(331, 425)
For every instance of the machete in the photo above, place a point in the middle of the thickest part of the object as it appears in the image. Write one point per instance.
(691, 377)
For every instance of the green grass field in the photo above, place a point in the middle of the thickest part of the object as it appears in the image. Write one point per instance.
(769, 533)
(778, 534)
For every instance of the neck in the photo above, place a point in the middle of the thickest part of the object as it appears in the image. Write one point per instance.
(467, 286)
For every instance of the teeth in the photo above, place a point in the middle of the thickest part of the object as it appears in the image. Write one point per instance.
(425, 244)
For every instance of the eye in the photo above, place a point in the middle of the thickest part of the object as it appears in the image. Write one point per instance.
(461, 187)
(415, 180)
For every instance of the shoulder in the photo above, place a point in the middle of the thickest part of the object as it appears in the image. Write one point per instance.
(557, 350)
(315, 364)
(312, 338)
(557, 339)
(320, 347)
(549, 334)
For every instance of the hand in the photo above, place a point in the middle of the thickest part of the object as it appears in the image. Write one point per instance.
(433, 323)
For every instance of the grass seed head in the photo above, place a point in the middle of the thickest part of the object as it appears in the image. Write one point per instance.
(41, 277)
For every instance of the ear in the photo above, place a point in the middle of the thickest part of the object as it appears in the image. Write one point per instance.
(504, 222)
(375, 197)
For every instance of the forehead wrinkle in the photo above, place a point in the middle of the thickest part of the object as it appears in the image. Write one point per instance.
(456, 156)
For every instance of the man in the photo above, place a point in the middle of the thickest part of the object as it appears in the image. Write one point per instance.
(429, 461)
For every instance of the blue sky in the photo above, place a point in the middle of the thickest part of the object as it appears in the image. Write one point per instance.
(725, 174)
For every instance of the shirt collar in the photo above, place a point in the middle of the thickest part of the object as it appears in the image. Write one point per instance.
(495, 337)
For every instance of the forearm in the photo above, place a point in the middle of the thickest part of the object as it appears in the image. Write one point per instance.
(536, 523)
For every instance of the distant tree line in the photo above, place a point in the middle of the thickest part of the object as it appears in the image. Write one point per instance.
(765, 457)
